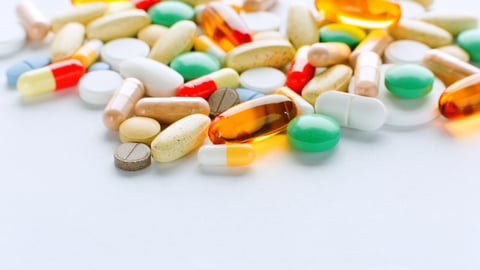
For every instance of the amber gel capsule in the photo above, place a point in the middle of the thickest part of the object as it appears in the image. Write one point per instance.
(253, 120)
(363, 13)
(461, 99)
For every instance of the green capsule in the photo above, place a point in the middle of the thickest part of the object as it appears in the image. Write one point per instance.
(313, 132)
(344, 33)
(169, 12)
(192, 65)
(470, 41)
(409, 80)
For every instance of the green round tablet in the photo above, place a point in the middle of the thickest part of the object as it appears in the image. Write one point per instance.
(409, 80)
(169, 12)
(337, 32)
(313, 132)
(469, 40)
(192, 65)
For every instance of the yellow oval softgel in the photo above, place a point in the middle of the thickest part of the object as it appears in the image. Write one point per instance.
(139, 129)
(461, 99)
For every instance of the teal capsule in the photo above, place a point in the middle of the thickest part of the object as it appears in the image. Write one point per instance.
(469, 40)
(344, 33)
(192, 65)
(169, 12)
(409, 80)
(313, 132)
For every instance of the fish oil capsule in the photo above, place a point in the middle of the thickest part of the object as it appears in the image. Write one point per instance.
(461, 99)
(448, 68)
(376, 41)
(88, 53)
(253, 120)
(120, 106)
(224, 26)
(33, 20)
(51, 78)
(300, 71)
(328, 53)
(367, 74)
(204, 86)
(83, 14)
(303, 107)
(363, 13)
(226, 155)
(168, 110)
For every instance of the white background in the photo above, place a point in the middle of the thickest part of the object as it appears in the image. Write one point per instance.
(396, 199)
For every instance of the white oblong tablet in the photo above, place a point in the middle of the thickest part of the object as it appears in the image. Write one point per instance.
(403, 112)
(263, 79)
(97, 87)
(159, 79)
(261, 21)
(119, 50)
(13, 38)
(405, 51)
(411, 9)
(352, 111)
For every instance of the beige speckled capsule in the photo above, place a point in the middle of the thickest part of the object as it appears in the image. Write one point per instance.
(67, 41)
(33, 20)
(446, 67)
(177, 39)
(302, 28)
(151, 33)
(427, 33)
(82, 14)
(326, 54)
(334, 78)
(167, 110)
(258, 5)
(454, 21)
(456, 51)
(367, 74)
(180, 138)
(265, 53)
(118, 25)
(376, 41)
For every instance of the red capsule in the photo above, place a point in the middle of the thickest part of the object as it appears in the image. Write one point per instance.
(300, 71)
(144, 4)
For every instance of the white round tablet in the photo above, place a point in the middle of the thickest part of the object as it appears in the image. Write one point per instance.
(405, 51)
(13, 38)
(118, 50)
(263, 79)
(411, 9)
(97, 87)
(405, 112)
(261, 21)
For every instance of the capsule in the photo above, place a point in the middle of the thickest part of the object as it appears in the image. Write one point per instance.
(376, 41)
(204, 86)
(226, 155)
(303, 107)
(258, 5)
(36, 24)
(224, 26)
(367, 74)
(144, 4)
(120, 106)
(80, 2)
(461, 99)
(326, 54)
(362, 13)
(300, 71)
(88, 53)
(446, 67)
(51, 78)
(205, 44)
(167, 110)
(253, 120)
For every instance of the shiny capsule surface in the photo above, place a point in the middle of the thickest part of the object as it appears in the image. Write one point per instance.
(461, 99)
(253, 120)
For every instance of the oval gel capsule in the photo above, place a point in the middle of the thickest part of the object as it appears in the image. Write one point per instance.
(461, 99)
(226, 155)
(351, 110)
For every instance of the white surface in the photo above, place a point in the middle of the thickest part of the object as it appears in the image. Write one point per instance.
(392, 200)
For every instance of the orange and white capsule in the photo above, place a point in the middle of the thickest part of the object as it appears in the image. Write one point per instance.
(226, 155)
(89, 52)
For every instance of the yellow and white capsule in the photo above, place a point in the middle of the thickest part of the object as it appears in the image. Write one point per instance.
(226, 155)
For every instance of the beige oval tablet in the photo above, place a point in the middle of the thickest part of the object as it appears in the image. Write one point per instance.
(456, 51)
(454, 21)
(427, 33)
(151, 33)
(265, 53)
(302, 28)
(334, 78)
(268, 35)
(139, 129)
(132, 156)
(167, 110)
(68, 40)
(82, 14)
(118, 25)
(180, 138)
(324, 54)
(178, 39)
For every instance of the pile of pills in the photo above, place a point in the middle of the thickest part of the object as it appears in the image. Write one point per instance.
(176, 77)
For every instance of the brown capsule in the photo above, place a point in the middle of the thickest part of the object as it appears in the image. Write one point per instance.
(168, 110)
(376, 41)
(132, 156)
(222, 99)
(326, 54)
